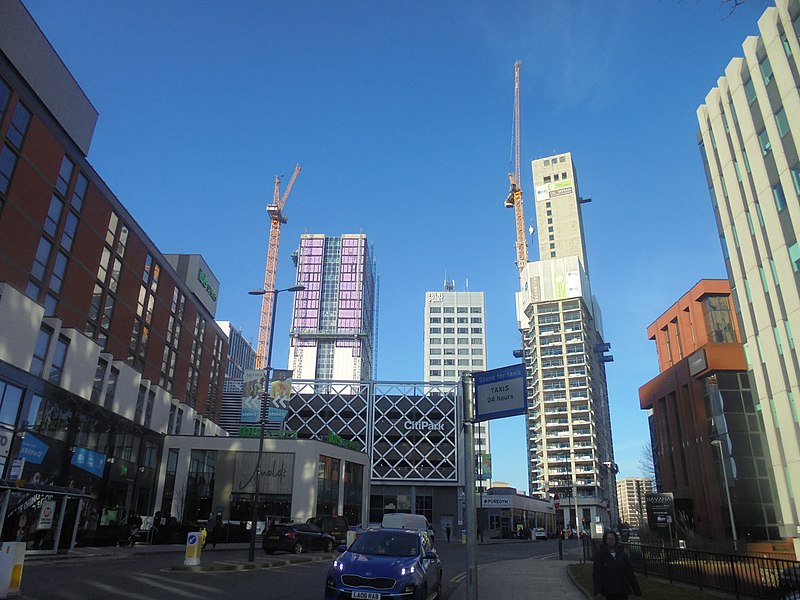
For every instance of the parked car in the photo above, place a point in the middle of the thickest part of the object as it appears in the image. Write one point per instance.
(790, 578)
(336, 526)
(297, 538)
(539, 533)
(386, 564)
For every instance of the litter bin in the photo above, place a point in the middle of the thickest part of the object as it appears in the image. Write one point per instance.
(12, 557)
(194, 545)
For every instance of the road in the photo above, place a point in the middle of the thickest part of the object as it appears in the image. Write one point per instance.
(139, 575)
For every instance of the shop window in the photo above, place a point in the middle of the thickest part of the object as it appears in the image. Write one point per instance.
(59, 358)
(328, 486)
(353, 500)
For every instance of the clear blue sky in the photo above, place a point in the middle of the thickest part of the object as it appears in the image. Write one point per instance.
(400, 114)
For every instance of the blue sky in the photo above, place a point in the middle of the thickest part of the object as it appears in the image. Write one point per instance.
(400, 115)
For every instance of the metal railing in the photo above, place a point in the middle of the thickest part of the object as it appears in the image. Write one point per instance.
(739, 574)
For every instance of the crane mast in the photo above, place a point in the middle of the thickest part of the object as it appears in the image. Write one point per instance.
(514, 198)
(276, 219)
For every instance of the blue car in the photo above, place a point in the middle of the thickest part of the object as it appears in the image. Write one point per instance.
(386, 564)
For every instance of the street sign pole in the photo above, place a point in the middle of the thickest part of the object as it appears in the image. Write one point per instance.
(469, 486)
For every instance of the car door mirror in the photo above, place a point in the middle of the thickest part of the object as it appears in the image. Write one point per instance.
(431, 555)
(342, 548)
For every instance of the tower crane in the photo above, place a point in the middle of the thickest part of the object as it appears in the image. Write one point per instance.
(514, 199)
(276, 219)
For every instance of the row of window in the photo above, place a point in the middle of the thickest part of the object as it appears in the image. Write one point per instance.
(456, 309)
(436, 362)
(473, 330)
(436, 341)
(454, 320)
(452, 351)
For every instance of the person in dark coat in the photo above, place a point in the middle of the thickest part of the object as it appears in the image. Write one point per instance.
(612, 573)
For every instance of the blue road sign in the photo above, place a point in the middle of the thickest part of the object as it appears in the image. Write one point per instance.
(500, 393)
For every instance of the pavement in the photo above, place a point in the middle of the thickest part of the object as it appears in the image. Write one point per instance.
(524, 579)
(509, 580)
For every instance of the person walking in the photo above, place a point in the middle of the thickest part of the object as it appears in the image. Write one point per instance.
(447, 532)
(211, 534)
(612, 572)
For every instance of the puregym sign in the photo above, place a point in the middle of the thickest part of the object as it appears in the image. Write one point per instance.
(424, 425)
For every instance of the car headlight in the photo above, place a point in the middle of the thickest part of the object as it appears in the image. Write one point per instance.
(338, 565)
(410, 570)
(409, 589)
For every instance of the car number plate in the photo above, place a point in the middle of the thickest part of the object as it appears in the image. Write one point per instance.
(274, 537)
(366, 596)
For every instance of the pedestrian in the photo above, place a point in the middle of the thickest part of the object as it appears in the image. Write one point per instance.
(211, 533)
(480, 534)
(612, 573)
(447, 532)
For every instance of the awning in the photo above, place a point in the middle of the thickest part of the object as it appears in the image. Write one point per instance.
(42, 488)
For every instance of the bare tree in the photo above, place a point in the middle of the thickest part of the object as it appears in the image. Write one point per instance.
(732, 4)
(647, 464)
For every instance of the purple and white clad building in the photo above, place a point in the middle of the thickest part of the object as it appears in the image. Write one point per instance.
(333, 323)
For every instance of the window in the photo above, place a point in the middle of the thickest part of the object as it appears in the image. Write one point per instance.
(779, 196)
(476, 310)
(79, 193)
(53, 215)
(59, 358)
(19, 125)
(41, 259)
(794, 256)
(795, 170)
(10, 396)
(40, 351)
(750, 91)
(64, 175)
(763, 141)
(436, 330)
(5, 94)
(111, 388)
(436, 309)
(8, 160)
(774, 270)
(782, 122)
(786, 47)
(477, 330)
(766, 71)
(435, 320)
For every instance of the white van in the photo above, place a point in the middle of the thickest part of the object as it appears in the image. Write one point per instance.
(408, 521)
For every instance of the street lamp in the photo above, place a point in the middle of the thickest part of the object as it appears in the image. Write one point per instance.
(718, 444)
(267, 368)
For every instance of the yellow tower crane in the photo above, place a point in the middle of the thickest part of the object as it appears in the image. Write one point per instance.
(514, 199)
(276, 219)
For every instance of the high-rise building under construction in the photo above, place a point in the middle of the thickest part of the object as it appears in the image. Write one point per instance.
(568, 423)
(333, 322)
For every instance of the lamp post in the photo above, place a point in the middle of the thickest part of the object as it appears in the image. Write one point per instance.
(267, 368)
(718, 444)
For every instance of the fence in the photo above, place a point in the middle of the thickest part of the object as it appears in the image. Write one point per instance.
(742, 575)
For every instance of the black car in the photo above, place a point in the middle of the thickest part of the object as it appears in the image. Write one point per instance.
(297, 538)
(336, 526)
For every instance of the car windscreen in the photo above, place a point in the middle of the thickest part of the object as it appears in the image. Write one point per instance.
(385, 543)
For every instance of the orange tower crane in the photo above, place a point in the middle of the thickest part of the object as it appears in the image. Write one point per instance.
(276, 219)
(514, 199)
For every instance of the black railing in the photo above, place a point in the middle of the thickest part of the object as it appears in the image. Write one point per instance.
(739, 574)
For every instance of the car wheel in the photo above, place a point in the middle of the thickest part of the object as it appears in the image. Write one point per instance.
(439, 588)
(298, 548)
(329, 546)
(424, 594)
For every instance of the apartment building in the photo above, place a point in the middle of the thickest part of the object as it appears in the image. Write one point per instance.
(748, 127)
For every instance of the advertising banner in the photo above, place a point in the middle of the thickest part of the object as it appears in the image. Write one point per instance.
(252, 392)
(280, 388)
(89, 460)
(484, 466)
(32, 449)
(660, 511)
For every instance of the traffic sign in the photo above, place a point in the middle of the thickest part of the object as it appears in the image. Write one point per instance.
(556, 501)
(500, 393)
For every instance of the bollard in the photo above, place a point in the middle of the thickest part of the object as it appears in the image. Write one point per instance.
(12, 557)
(463, 536)
(194, 545)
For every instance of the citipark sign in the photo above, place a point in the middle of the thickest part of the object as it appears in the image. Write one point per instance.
(424, 425)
